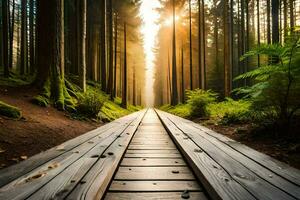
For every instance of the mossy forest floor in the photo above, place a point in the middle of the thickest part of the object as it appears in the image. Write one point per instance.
(41, 128)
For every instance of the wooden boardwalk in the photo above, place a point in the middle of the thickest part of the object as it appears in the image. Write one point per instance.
(150, 155)
(153, 168)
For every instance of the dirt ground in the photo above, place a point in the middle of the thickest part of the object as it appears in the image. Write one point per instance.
(282, 149)
(38, 130)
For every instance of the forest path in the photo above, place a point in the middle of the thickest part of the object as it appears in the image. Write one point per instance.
(153, 168)
(150, 154)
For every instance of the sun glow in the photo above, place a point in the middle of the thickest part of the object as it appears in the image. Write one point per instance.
(149, 30)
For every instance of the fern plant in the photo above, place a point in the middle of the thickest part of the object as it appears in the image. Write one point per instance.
(276, 92)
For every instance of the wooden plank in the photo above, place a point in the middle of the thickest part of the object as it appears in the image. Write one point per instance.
(154, 196)
(151, 142)
(94, 183)
(249, 164)
(154, 173)
(149, 155)
(29, 183)
(214, 178)
(280, 168)
(15, 171)
(151, 151)
(170, 147)
(83, 155)
(154, 186)
(151, 162)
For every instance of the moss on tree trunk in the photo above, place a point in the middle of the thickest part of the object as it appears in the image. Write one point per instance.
(10, 111)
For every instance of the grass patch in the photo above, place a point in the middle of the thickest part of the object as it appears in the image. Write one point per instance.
(181, 110)
(10, 111)
(203, 104)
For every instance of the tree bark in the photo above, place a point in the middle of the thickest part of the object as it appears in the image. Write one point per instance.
(31, 27)
(5, 33)
(174, 99)
(268, 21)
(11, 37)
(292, 20)
(124, 86)
(116, 56)
(109, 88)
(82, 44)
(23, 37)
(191, 45)
(103, 45)
(275, 21)
(182, 77)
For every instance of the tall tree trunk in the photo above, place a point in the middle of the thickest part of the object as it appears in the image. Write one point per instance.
(275, 21)
(11, 35)
(191, 45)
(269, 21)
(82, 44)
(199, 44)
(285, 19)
(23, 37)
(174, 100)
(134, 86)
(182, 77)
(292, 20)
(258, 30)
(109, 88)
(103, 45)
(5, 28)
(116, 56)
(226, 51)
(124, 86)
(169, 87)
(203, 86)
(31, 27)
(50, 52)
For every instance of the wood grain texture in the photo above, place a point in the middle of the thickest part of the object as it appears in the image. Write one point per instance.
(246, 168)
(153, 162)
(154, 186)
(214, 178)
(154, 196)
(61, 174)
(154, 173)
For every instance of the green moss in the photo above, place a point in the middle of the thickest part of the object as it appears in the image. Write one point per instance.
(10, 111)
(40, 101)
(181, 110)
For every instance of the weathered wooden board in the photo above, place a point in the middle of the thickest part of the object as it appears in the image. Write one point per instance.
(154, 186)
(257, 183)
(154, 173)
(151, 147)
(149, 155)
(214, 178)
(151, 151)
(94, 184)
(245, 167)
(154, 196)
(153, 162)
(280, 168)
(60, 174)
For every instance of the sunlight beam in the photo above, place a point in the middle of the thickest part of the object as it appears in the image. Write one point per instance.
(149, 30)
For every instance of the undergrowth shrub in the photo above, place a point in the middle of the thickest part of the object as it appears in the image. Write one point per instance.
(90, 103)
(199, 101)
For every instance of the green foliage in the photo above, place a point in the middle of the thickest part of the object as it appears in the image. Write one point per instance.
(231, 111)
(181, 110)
(112, 110)
(90, 103)
(276, 91)
(9, 111)
(199, 100)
